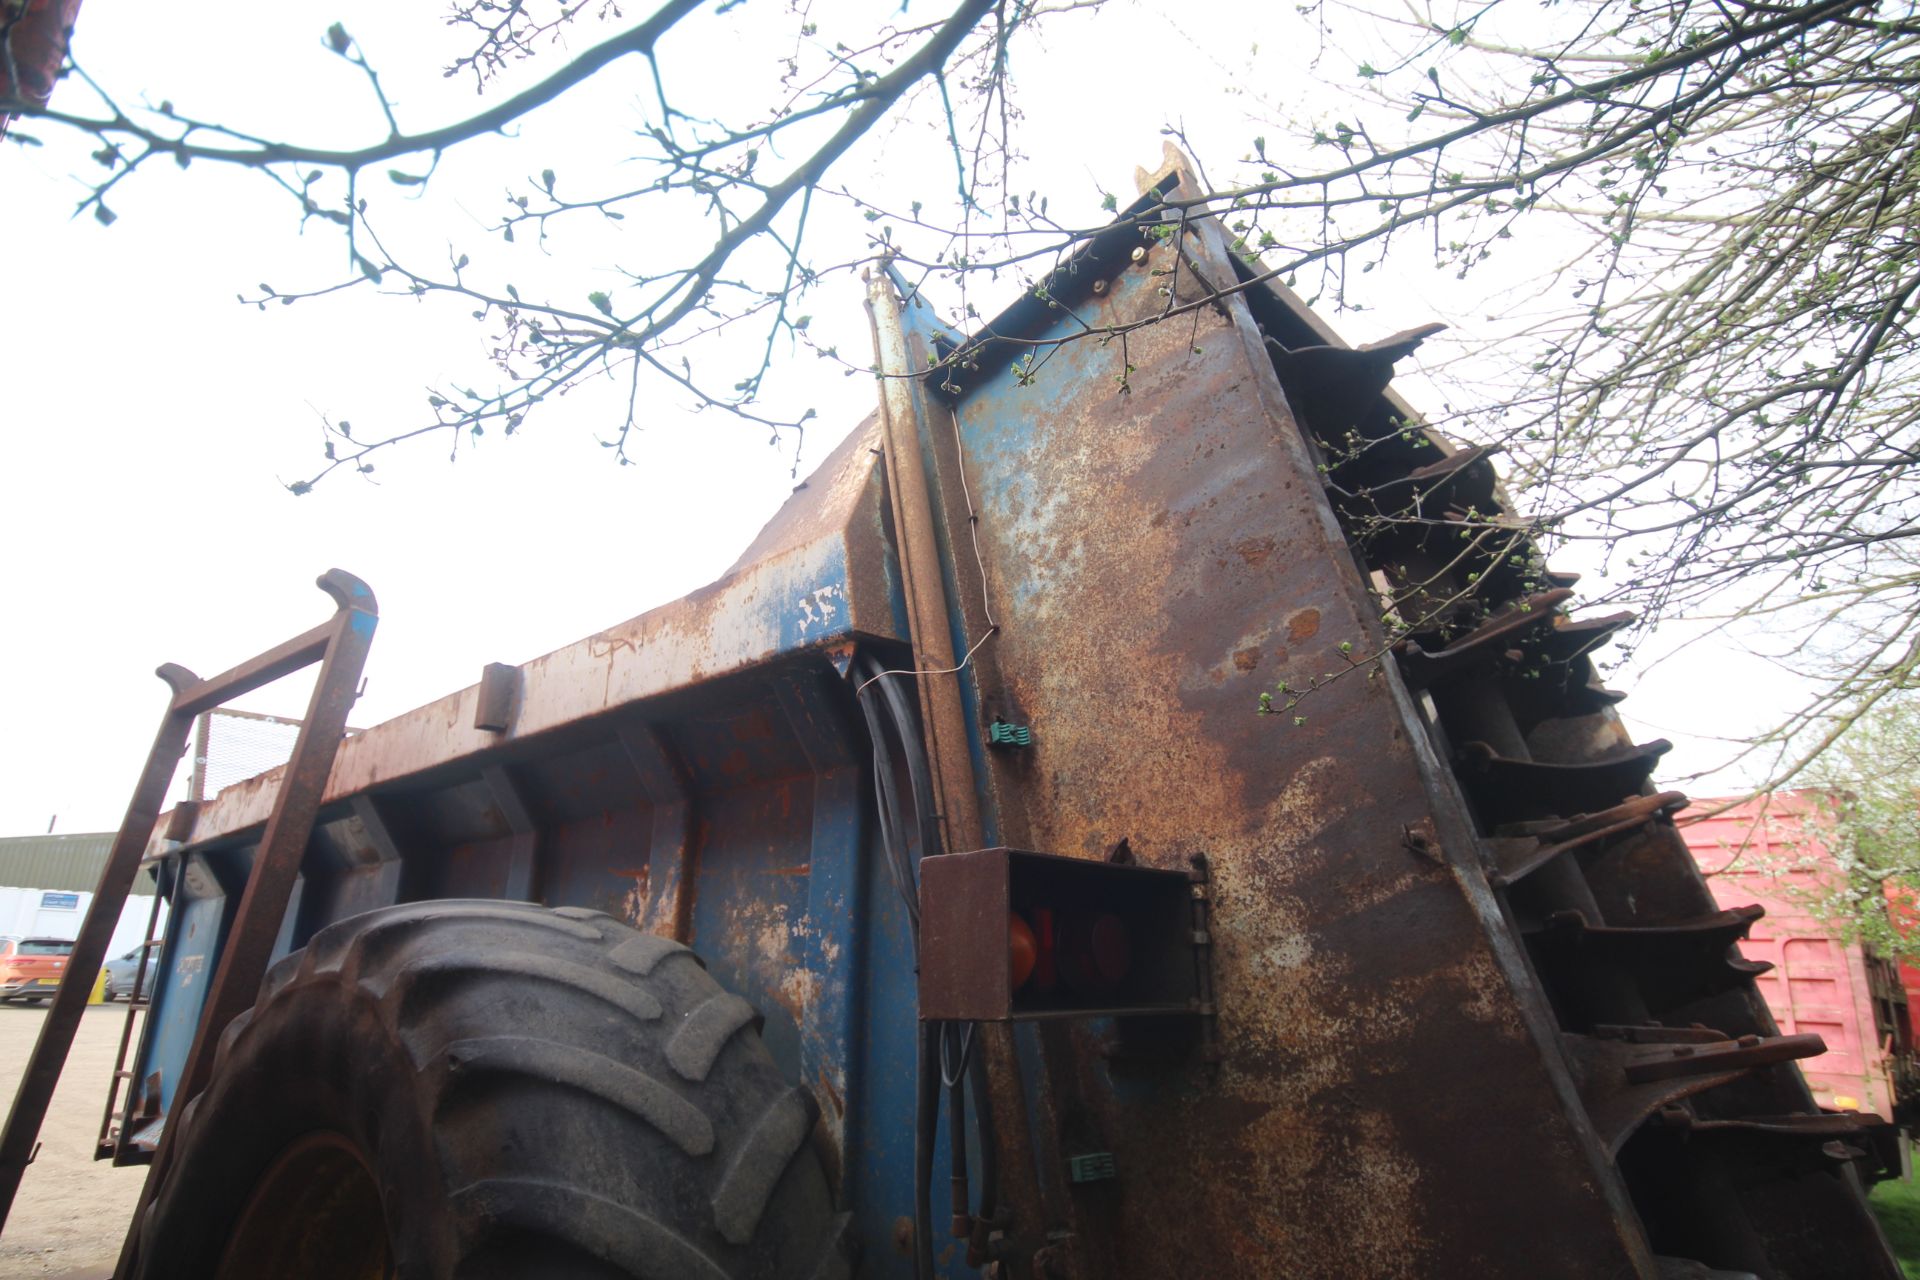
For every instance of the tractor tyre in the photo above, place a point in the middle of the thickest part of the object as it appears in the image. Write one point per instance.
(493, 1089)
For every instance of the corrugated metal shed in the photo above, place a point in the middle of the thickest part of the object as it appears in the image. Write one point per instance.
(59, 862)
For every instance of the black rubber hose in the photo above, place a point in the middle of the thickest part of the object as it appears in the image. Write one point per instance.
(926, 1118)
(906, 735)
(959, 1203)
(899, 866)
(918, 774)
(983, 1127)
(927, 1110)
(953, 1077)
(905, 724)
(887, 804)
(884, 800)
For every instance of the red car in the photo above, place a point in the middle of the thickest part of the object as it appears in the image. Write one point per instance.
(30, 968)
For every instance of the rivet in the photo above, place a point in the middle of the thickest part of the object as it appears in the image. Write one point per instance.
(1099, 288)
(1139, 253)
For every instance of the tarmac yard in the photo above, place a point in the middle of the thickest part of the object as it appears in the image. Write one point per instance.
(72, 1211)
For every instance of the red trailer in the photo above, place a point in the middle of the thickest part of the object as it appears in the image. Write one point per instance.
(1905, 910)
(1773, 851)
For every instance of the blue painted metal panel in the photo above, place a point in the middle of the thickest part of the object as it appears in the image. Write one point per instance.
(196, 931)
(832, 943)
(750, 904)
(598, 862)
(879, 1154)
(339, 893)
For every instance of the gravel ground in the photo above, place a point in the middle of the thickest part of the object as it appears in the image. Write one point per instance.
(72, 1211)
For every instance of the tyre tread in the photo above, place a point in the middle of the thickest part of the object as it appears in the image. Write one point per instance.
(636, 1002)
(697, 1042)
(664, 1050)
(544, 1063)
(625, 1237)
(775, 1139)
(639, 955)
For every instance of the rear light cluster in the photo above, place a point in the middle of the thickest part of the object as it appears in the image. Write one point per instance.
(1086, 952)
(1007, 934)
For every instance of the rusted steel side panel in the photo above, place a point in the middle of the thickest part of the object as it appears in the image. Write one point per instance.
(738, 809)
(820, 574)
(1156, 557)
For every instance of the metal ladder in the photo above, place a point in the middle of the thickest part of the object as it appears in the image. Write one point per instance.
(340, 646)
(117, 1143)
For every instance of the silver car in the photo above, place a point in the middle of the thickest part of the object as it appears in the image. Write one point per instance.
(121, 971)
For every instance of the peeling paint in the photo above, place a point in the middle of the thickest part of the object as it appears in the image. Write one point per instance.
(817, 607)
(633, 907)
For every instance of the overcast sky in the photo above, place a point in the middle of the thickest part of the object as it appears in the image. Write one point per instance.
(152, 420)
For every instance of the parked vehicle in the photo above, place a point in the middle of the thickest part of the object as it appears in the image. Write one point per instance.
(939, 852)
(1774, 850)
(123, 971)
(31, 968)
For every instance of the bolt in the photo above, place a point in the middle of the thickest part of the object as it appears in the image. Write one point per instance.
(1099, 288)
(1419, 840)
(1139, 254)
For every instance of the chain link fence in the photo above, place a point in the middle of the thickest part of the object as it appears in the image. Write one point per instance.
(231, 746)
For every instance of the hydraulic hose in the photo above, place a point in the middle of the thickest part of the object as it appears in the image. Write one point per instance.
(953, 1077)
(926, 1120)
(983, 1128)
(887, 806)
(933, 1070)
(918, 774)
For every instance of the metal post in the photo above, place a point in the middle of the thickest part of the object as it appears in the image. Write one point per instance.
(942, 716)
(202, 744)
(929, 621)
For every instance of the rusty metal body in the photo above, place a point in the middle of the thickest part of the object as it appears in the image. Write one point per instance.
(32, 47)
(1459, 1028)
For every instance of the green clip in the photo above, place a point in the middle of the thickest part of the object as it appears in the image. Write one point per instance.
(1097, 1167)
(1003, 733)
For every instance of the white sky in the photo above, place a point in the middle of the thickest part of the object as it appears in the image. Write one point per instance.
(150, 419)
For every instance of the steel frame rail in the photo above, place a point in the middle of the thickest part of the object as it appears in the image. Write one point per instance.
(340, 646)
